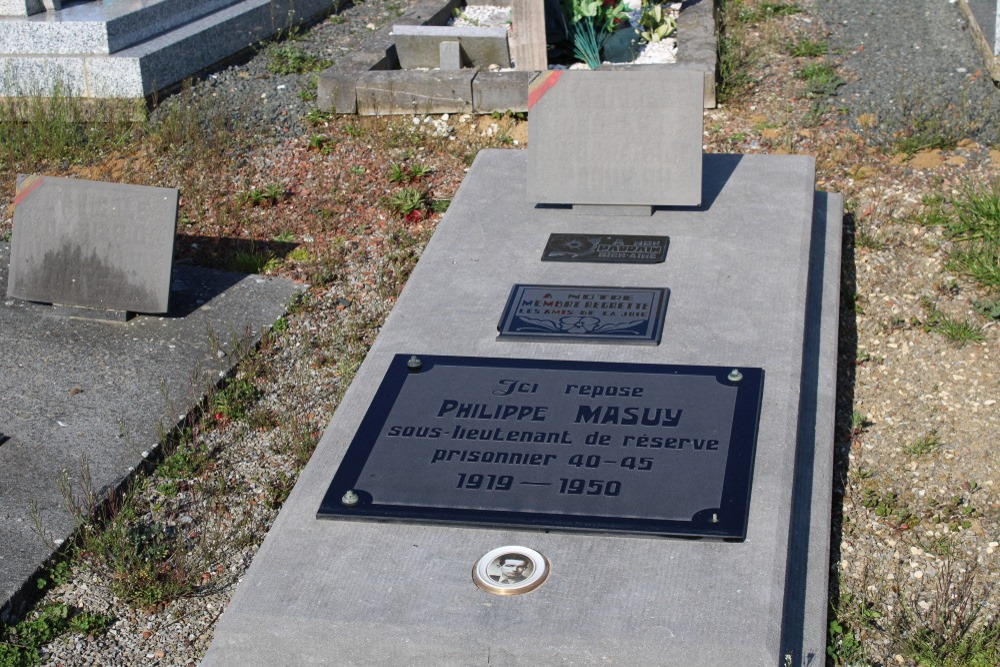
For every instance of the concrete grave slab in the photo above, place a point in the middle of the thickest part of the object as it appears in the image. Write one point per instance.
(753, 276)
(419, 45)
(82, 394)
(629, 137)
(93, 244)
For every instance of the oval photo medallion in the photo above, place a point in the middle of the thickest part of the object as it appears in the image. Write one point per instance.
(510, 570)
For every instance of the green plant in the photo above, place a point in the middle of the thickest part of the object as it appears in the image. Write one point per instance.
(20, 643)
(270, 194)
(290, 59)
(735, 56)
(234, 400)
(300, 254)
(406, 201)
(353, 130)
(252, 261)
(976, 232)
(317, 116)
(807, 48)
(357, 170)
(821, 79)
(590, 23)
(419, 170)
(398, 173)
(306, 94)
(923, 445)
(657, 23)
(320, 142)
(440, 205)
(955, 330)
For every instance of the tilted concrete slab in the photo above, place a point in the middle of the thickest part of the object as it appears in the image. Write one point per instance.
(86, 395)
(753, 276)
(92, 244)
(616, 137)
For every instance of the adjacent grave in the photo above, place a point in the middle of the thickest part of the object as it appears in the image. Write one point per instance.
(474, 558)
(984, 23)
(348, 86)
(87, 401)
(106, 246)
(131, 48)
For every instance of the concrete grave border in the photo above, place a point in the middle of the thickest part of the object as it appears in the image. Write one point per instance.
(991, 54)
(341, 86)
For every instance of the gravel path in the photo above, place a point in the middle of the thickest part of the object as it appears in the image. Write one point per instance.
(912, 61)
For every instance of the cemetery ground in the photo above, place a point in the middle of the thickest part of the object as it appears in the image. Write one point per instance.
(346, 204)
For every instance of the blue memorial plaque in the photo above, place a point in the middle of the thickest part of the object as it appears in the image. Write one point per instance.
(585, 313)
(580, 446)
(613, 249)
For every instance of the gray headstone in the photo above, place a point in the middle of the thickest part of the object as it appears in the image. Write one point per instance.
(92, 245)
(616, 137)
(417, 45)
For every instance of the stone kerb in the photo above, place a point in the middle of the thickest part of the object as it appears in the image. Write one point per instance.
(341, 86)
(984, 24)
(28, 7)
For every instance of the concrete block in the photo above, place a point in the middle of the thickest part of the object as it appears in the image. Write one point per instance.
(380, 594)
(91, 244)
(429, 13)
(450, 55)
(407, 91)
(418, 46)
(501, 91)
(336, 91)
(577, 151)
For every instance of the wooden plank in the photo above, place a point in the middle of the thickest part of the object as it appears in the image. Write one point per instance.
(528, 35)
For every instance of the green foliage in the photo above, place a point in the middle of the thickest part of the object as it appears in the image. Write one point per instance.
(440, 205)
(843, 646)
(62, 128)
(321, 143)
(269, 194)
(317, 116)
(290, 59)
(590, 23)
(398, 173)
(235, 399)
(20, 643)
(735, 57)
(955, 330)
(407, 201)
(821, 79)
(252, 261)
(807, 48)
(976, 233)
(656, 23)
(767, 10)
(353, 130)
(923, 445)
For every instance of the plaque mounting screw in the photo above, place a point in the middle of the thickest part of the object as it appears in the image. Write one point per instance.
(735, 375)
(715, 518)
(349, 499)
(414, 363)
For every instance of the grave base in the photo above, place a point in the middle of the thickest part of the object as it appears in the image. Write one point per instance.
(754, 280)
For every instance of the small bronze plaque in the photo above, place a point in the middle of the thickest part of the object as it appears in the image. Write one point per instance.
(593, 447)
(616, 249)
(585, 313)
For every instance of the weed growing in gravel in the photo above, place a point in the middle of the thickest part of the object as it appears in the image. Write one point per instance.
(269, 194)
(290, 59)
(956, 331)
(407, 201)
(735, 57)
(252, 261)
(20, 642)
(767, 10)
(976, 232)
(807, 48)
(821, 79)
(924, 445)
